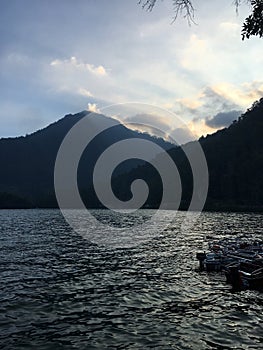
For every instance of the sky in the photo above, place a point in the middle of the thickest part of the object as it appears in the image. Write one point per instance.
(59, 57)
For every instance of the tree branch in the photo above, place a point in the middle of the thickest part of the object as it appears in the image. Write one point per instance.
(185, 9)
(253, 24)
(147, 4)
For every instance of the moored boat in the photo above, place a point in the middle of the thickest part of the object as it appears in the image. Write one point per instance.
(242, 262)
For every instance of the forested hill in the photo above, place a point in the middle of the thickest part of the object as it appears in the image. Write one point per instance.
(27, 163)
(235, 163)
(234, 157)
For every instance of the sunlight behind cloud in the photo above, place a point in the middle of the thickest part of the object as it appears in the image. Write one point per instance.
(195, 71)
(243, 95)
(92, 107)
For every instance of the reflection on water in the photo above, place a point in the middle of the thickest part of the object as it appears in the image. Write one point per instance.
(59, 291)
(122, 229)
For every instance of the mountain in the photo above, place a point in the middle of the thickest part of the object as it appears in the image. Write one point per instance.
(235, 163)
(27, 163)
(234, 157)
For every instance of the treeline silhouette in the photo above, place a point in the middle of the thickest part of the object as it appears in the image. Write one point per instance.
(234, 157)
(27, 163)
(235, 162)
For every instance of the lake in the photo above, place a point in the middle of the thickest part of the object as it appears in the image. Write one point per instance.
(61, 291)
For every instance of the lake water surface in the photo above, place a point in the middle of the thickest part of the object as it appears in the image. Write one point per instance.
(60, 291)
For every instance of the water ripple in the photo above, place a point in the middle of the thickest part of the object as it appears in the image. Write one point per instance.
(59, 291)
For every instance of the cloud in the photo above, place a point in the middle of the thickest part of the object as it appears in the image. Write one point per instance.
(207, 100)
(221, 97)
(152, 120)
(150, 60)
(209, 110)
(182, 135)
(75, 78)
(214, 100)
(166, 125)
(198, 49)
(222, 119)
(84, 92)
(244, 94)
(191, 103)
(152, 124)
(74, 62)
(230, 29)
(92, 107)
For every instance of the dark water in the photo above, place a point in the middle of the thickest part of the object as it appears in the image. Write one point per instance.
(59, 291)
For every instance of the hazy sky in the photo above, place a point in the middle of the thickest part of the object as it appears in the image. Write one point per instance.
(60, 57)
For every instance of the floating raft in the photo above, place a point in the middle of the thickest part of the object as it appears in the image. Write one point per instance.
(241, 261)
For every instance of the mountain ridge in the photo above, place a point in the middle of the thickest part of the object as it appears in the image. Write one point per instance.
(234, 156)
(27, 162)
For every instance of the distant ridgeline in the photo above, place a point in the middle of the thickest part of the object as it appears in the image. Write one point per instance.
(234, 156)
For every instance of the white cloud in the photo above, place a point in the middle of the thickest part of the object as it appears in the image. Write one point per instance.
(73, 76)
(92, 107)
(230, 28)
(244, 94)
(100, 70)
(196, 52)
(84, 92)
(56, 63)
(78, 64)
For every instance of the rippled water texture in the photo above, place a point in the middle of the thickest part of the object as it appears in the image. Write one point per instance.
(59, 291)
